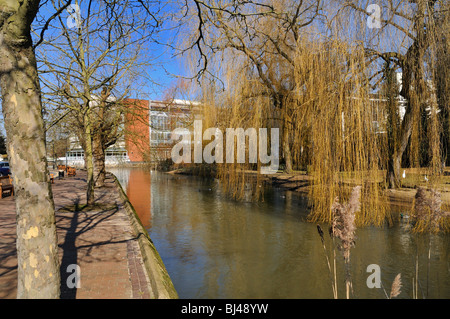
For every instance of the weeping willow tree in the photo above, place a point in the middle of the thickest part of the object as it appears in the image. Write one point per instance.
(264, 34)
(345, 146)
(329, 116)
(355, 105)
(410, 50)
(412, 40)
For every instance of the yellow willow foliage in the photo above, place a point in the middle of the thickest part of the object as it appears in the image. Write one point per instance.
(430, 98)
(331, 118)
(335, 110)
(244, 106)
(437, 85)
(418, 91)
(331, 115)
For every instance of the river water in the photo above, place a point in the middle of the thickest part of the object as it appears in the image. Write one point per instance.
(215, 248)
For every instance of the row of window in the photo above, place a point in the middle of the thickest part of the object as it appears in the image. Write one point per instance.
(79, 155)
(160, 122)
(164, 122)
(160, 137)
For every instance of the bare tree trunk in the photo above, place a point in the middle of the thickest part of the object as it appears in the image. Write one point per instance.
(393, 172)
(411, 68)
(448, 139)
(99, 160)
(395, 160)
(37, 250)
(90, 197)
(287, 128)
(98, 140)
(287, 148)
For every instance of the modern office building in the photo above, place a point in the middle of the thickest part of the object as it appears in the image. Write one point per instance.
(146, 131)
(149, 127)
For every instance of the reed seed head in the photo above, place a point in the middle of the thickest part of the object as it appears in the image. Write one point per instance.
(343, 226)
(427, 209)
(396, 286)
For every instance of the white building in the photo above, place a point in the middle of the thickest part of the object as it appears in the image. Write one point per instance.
(114, 155)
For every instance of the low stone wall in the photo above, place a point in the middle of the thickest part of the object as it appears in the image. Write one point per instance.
(161, 284)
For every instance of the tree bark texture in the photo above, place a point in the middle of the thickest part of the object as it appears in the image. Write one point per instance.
(37, 250)
(98, 152)
(287, 148)
(90, 197)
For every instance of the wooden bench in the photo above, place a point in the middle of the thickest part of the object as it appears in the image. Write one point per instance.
(71, 171)
(6, 185)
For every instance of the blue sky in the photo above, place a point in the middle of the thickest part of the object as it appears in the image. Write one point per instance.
(161, 75)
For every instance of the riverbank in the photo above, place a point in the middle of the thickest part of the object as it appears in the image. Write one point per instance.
(115, 255)
(215, 247)
(400, 200)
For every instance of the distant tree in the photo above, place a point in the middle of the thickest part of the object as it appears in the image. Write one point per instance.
(84, 67)
(2, 145)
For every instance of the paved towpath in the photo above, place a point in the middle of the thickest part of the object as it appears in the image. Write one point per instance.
(99, 241)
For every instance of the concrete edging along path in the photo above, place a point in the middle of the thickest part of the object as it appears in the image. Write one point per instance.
(161, 284)
(104, 241)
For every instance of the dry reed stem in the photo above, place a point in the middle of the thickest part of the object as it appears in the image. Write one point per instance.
(330, 272)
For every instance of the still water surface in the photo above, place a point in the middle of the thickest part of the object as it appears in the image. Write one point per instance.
(214, 247)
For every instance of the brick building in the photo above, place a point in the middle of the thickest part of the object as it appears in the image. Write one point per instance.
(149, 125)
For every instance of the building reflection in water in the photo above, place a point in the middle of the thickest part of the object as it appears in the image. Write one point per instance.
(139, 193)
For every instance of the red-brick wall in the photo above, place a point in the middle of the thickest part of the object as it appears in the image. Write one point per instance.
(137, 139)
